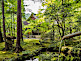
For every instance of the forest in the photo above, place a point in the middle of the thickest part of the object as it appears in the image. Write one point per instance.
(51, 34)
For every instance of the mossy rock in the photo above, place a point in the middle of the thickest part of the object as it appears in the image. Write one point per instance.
(66, 49)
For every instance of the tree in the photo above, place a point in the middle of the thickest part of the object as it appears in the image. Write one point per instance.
(18, 46)
(1, 38)
(4, 31)
(62, 17)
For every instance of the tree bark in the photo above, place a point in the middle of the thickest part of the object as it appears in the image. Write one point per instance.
(4, 31)
(18, 46)
(14, 23)
(63, 21)
(11, 25)
(1, 38)
(71, 35)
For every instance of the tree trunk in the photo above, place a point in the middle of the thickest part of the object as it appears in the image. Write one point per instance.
(4, 31)
(71, 35)
(63, 21)
(14, 23)
(18, 46)
(11, 25)
(1, 38)
(63, 32)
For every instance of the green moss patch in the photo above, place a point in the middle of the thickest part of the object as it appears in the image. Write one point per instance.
(29, 45)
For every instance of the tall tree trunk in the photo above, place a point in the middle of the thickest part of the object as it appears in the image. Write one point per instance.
(18, 46)
(11, 25)
(4, 31)
(1, 38)
(63, 21)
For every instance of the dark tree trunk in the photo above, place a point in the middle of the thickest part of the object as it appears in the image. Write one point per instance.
(18, 46)
(11, 25)
(1, 38)
(62, 32)
(4, 31)
(63, 21)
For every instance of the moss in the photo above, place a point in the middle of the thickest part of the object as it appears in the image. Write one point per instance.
(2, 45)
(30, 46)
(66, 49)
(27, 45)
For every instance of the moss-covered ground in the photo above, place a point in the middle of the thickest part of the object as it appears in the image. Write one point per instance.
(33, 46)
(29, 45)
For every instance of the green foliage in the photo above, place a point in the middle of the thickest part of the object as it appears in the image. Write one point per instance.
(59, 18)
(76, 51)
(26, 52)
(10, 8)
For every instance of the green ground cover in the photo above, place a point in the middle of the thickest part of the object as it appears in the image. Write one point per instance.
(29, 45)
(32, 46)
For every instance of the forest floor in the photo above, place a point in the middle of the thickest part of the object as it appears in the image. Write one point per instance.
(29, 45)
(48, 49)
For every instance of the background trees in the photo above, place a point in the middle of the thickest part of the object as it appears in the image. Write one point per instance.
(60, 18)
(8, 13)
